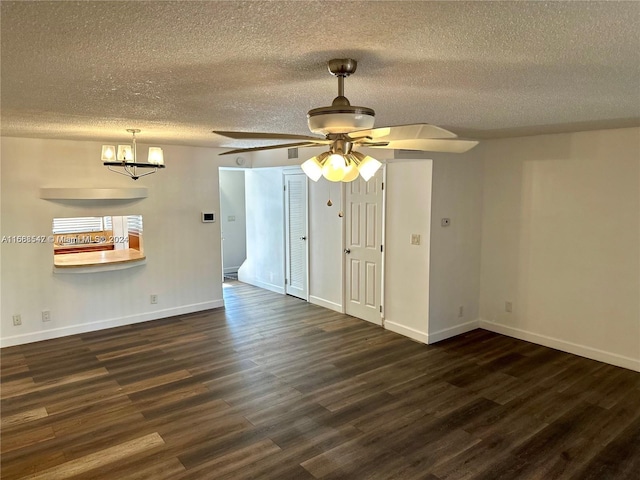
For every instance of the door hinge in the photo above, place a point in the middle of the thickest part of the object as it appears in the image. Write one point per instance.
(284, 187)
(382, 185)
(286, 282)
(381, 248)
(380, 308)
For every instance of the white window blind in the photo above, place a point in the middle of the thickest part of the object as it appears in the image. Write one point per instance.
(79, 225)
(134, 224)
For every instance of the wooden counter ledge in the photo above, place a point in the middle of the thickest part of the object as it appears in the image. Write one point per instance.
(93, 259)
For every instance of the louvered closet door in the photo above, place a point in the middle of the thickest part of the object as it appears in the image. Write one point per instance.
(296, 235)
(363, 252)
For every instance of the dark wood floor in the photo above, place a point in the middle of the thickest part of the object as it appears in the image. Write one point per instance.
(275, 388)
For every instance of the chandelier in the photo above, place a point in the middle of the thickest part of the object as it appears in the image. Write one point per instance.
(125, 158)
(341, 164)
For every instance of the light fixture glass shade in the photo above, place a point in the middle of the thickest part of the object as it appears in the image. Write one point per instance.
(125, 153)
(334, 168)
(108, 153)
(312, 168)
(155, 156)
(368, 167)
(351, 171)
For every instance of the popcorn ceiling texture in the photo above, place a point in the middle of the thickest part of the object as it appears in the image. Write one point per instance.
(177, 70)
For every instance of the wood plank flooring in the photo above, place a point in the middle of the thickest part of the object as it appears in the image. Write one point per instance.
(272, 387)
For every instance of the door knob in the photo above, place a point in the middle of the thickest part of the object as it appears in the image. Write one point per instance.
(303, 238)
(347, 250)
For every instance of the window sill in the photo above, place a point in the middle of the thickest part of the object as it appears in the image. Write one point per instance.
(100, 261)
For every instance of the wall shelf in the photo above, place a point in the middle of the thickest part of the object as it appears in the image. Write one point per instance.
(100, 268)
(123, 193)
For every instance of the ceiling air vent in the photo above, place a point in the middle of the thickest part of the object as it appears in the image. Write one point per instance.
(293, 153)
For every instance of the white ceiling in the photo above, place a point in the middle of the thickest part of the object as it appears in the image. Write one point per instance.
(177, 70)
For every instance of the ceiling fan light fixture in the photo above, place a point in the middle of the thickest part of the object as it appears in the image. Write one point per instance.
(326, 120)
(334, 168)
(313, 167)
(368, 166)
(351, 171)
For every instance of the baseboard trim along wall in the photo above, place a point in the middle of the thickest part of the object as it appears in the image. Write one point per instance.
(412, 333)
(110, 323)
(576, 349)
(267, 286)
(453, 331)
(321, 302)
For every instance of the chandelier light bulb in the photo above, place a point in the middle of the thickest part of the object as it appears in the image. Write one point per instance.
(108, 153)
(125, 153)
(155, 156)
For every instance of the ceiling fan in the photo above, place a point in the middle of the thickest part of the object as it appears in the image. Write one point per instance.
(344, 127)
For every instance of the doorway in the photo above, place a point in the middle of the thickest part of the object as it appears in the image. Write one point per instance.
(233, 228)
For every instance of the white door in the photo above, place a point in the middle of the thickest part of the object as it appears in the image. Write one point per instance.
(296, 255)
(363, 248)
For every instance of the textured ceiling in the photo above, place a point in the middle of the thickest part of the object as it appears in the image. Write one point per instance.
(177, 70)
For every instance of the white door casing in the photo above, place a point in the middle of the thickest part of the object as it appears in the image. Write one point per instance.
(296, 244)
(364, 218)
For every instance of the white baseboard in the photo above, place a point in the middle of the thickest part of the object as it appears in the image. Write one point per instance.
(412, 333)
(110, 323)
(267, 286)
(321, 302)
(453, 331)
(576, 349)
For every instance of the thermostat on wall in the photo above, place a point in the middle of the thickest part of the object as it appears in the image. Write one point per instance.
(208, 217)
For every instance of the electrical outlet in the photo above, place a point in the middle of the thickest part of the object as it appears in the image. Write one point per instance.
(415, 239)
(460, 311)
(508, 307)
(153, 299)
(46, 316)
(17, 320)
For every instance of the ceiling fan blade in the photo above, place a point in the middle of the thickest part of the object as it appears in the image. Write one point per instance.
(264, 136)
(273, 147)
(432, 145)
(403, 132)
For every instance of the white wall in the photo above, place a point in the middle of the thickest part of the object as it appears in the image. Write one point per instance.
(408, 211)
(561, 236)
(325, 246)
(264, 266)
(426, 285)
(234, 232)
(455, 249)
(183, 255)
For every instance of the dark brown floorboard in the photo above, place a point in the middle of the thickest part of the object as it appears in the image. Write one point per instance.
(272, 387)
